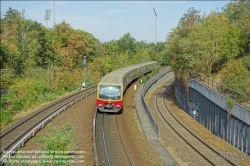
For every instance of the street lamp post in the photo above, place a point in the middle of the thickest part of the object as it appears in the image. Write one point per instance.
(84, 62)
(47, 16)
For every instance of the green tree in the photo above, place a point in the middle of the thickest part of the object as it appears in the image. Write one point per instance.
(20, 41)
(111, 47)
(9, 37)
(214, 41)
(4, 56)
(202, 45)
(127, 44)
(236, 76)
(238, 13)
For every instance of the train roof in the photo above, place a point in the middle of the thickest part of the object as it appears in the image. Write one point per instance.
(115, 77)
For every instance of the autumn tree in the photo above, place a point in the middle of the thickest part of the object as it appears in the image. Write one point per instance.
(127, 43)
(214, 41)
(238, 13)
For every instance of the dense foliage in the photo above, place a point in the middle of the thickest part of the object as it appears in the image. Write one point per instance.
(142, 79)
(38, 64)
(215, 43)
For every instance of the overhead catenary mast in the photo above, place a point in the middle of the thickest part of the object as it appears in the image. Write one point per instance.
(155, 25)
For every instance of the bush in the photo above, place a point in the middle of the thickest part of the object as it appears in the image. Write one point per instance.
(57, 141)
(28, 92)
(230, 103)
(142, 79)
(236, 76)
(246, 62)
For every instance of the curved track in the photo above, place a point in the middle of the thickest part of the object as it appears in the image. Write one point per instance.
(108, 142)
(202, 154)
(13, 136)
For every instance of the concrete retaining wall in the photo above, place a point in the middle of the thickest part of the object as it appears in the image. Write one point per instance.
(209, 108)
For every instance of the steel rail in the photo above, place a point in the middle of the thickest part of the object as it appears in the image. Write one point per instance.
(41, 111)
(94, 142)
(104, 142)
(40, 124)
(172, 127)
(106, 146)
(120, 135)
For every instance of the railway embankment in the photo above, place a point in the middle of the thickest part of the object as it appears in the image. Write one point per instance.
(147, 122)
(225, 150)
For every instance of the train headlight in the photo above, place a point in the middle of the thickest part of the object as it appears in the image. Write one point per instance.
(99, 105)
(118, 106)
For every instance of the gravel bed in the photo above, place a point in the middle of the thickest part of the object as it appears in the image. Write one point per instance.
(212, 140)
(140, 150)
(81, 115)
(198, 129)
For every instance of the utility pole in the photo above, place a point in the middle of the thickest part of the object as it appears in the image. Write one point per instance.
(155, 25)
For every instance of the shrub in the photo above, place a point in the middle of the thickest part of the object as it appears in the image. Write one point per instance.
(142, 79)
(57, 141)
(230, 103)
(246, 62)
(236, 76)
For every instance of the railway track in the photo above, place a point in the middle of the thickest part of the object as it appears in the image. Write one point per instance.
(109, 146)
(15, 137)
(191, 148)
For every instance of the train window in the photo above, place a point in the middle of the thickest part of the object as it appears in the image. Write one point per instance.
(110, 92)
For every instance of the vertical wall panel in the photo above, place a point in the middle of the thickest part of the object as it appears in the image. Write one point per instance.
(203, 112)
(216, 125)
(239, 131)
(214, 118)
(228, 132)
(248, 141)
(222, 129)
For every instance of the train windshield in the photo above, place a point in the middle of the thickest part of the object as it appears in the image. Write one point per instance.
(110, 92)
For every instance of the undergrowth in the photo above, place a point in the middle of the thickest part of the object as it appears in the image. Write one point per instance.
(29, 91)
(142, 79)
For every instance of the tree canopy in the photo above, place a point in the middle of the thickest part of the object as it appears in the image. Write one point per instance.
(208, 43)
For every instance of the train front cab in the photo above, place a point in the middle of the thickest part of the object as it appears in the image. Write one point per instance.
(109, 98)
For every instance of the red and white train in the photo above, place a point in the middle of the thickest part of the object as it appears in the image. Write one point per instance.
(112, 86)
